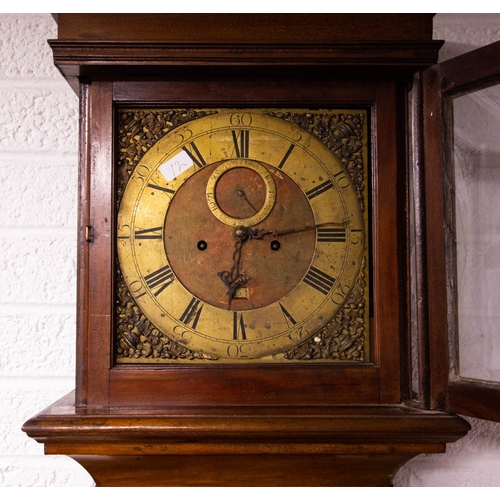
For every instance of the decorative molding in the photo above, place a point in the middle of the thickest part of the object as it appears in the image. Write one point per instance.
(73, 55)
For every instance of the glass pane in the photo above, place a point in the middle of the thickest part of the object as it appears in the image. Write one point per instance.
(476, 160)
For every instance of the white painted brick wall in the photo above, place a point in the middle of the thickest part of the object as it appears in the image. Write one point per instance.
(38, 184)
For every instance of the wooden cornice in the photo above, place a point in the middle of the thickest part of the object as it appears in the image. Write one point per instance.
(118, 53)
(148, 46)
(132, 59)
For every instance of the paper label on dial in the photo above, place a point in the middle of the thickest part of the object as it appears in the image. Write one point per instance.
(176, 165)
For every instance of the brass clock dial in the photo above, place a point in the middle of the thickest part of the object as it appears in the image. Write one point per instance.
(240, 235)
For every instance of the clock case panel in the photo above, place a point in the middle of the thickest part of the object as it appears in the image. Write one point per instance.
(384, 379)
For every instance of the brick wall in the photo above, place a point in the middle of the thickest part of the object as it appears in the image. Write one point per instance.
(38, 184)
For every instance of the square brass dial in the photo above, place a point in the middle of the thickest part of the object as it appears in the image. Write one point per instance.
(242, 236)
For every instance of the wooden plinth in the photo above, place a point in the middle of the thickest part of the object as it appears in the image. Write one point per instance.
(243, 446)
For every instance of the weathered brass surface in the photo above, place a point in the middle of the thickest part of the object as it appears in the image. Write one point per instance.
(243, 237)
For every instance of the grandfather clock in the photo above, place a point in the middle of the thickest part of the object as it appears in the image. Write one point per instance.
(262, 271)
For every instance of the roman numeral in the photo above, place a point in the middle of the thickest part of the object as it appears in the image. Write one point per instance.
(288, 317)
(239, 332)
(149, 234)
(195, 155)
(321, 188)
(319, 280)
(241, 143)
(162, 189)
(161, 278)
(285, 158)
(192, 313)
(331, 235)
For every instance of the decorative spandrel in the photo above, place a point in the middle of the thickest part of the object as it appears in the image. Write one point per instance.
(246, 149)
(137, 131)
(344, 337)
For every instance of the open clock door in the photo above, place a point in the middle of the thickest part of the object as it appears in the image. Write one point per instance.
(461, 220)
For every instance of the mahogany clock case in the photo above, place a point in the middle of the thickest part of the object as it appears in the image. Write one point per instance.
(327, 68)
(373, 381)
(130, 421)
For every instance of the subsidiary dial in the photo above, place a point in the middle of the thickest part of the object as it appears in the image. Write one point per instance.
(241, 192)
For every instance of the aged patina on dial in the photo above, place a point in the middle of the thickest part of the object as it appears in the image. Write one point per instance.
(241, 236)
